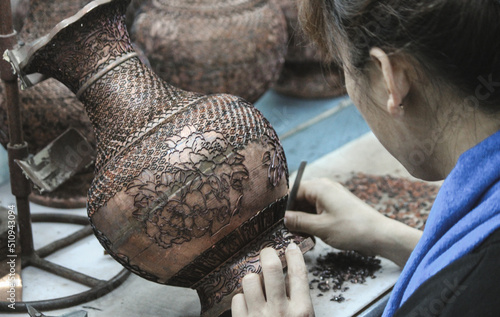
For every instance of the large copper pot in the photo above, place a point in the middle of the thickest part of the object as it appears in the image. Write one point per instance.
(188, 187)
(214, 46)
(50, 108)
(305, 74)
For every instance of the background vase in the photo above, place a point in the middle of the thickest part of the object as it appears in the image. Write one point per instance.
(50, 108)
(213, 46)
(305, 74)
(188, 187)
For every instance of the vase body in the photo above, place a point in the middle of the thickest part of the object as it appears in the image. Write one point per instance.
(188, 187)
(213, 46)
(50, 108)
(304, 74)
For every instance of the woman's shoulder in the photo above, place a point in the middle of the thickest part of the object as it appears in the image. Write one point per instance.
(467, 287)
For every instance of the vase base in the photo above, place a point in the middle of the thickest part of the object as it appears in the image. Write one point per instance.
(218, 288)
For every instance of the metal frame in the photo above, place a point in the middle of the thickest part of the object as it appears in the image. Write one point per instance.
(98, 288)
(21, 188)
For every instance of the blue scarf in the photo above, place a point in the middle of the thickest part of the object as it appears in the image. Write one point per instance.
(466, 211)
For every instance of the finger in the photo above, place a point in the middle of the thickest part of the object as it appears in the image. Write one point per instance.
(298, 283)
(311, 194)
(239, 305)
(297, 221)
(252, 289)
(274, 280)
(309, 190)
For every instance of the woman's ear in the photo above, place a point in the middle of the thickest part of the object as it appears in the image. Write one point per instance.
(395, 79)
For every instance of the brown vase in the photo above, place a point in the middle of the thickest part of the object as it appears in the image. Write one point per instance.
(214, 46)
(50, 108)
(305, 74)
(188, 187)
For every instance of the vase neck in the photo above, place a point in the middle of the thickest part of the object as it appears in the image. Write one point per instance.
(85, 47)
(123, 98)
(127, 103)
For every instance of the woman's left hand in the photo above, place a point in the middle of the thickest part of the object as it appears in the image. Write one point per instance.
(274, 296)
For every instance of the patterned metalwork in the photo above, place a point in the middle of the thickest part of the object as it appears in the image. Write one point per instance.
(213, 46)
(226, 279)
(230, 245)
(184, 182)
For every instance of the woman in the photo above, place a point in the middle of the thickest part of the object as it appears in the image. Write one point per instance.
(426, 77)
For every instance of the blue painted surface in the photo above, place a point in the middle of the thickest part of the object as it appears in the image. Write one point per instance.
(286, 113)
(323, 137)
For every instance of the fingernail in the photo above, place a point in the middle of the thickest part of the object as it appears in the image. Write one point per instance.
(292, 246)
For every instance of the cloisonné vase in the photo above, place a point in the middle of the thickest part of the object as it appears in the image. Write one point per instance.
(188, 187)
(213, 46)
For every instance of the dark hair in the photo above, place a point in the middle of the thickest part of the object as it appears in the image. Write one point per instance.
(457, 41)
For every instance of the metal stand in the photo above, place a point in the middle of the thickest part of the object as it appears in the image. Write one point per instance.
(21, 188)
(98, 288)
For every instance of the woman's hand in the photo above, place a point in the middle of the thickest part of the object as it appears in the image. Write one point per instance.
(342, 220)
(274, 297)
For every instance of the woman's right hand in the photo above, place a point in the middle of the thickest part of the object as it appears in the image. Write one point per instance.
(340, 219)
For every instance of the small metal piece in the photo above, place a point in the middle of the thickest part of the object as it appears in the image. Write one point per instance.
(58, 161)
(35, 313)
(27, 80)
(6, 71)
(296, 185)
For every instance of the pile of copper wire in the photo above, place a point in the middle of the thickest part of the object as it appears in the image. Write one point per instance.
(334, 269)
(398, 198)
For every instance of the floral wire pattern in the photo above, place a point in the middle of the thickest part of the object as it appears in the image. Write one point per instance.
(174, 210)
(173, 167)
(223, 281)
(230, 245)
(107, 45)
(122, 258)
